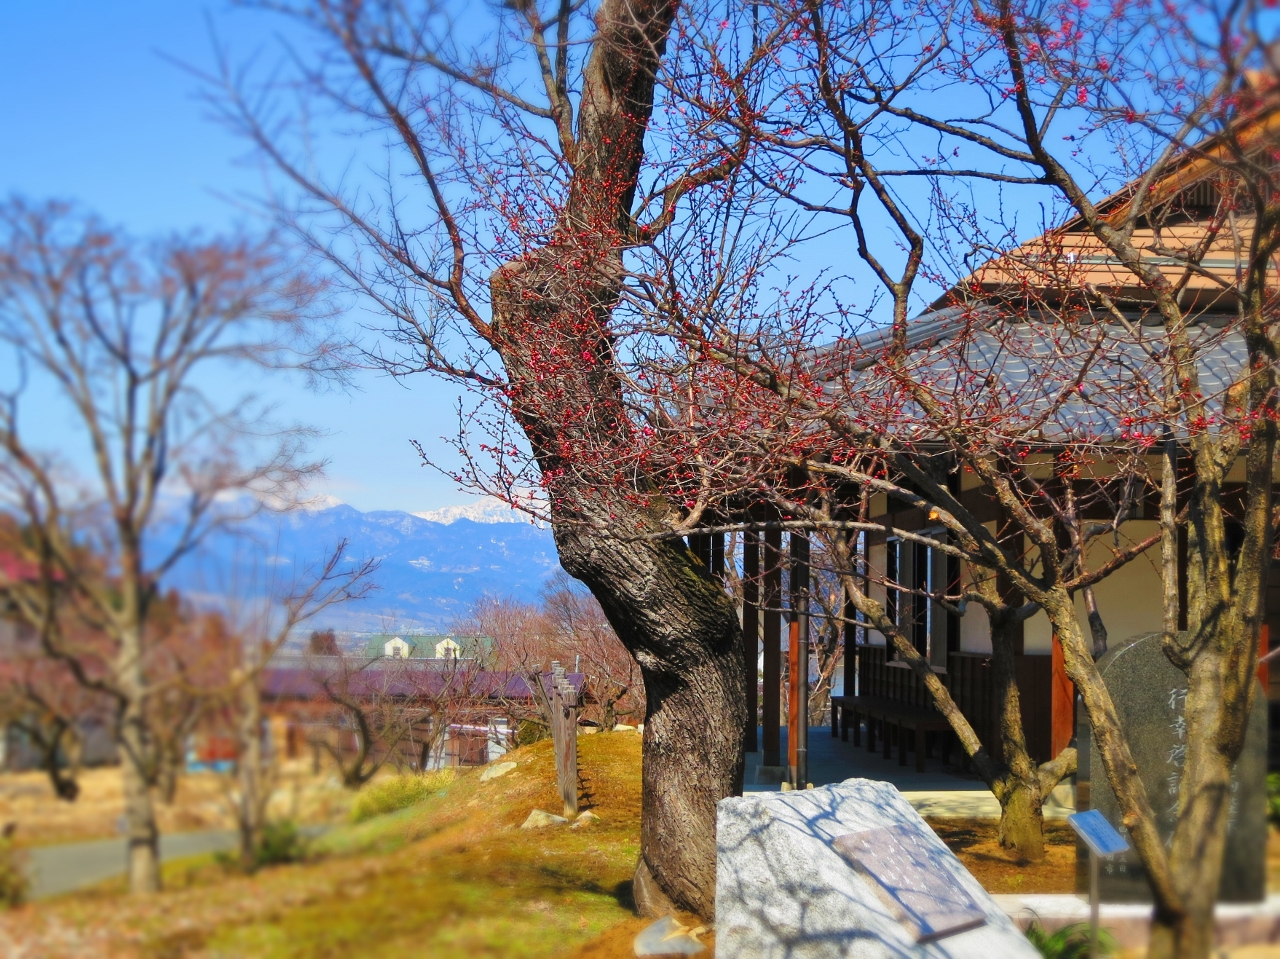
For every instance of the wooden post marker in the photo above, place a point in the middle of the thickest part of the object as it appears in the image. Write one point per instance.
(564, 737)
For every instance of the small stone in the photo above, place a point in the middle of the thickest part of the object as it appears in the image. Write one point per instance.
(538, 819)
(623, 728)
(585, 818)
(493, 772)
(667, 937)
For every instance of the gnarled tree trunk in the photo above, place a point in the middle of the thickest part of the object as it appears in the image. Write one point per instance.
(1021, 801)
(677, 621)
(551, 326)
(668, 610)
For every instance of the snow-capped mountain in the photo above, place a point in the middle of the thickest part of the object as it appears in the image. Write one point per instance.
(430, 571)
(487, 509)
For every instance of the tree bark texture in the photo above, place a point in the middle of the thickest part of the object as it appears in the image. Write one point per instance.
(668, 610)
(1021, 801)
(136, 755)
(252, 787)
(551, 319)
(1225, 608)
(677, 622)
(141, 831)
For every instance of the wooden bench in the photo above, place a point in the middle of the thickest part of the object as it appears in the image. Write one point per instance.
(848, 710)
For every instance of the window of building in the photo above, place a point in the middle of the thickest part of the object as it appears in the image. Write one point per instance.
(913, 572)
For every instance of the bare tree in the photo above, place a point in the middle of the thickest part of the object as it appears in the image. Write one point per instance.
(192, 657)
(523, 158)
(1112, 316)
(381, 710)
(525, 643)
(332, 583)
(42, 700)
(129, 339)
(637, 362)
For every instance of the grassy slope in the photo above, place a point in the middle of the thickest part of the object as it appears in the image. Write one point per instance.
(465, 880)
(452, 876)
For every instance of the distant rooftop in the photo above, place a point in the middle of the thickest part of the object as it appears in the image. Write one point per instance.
(406, 645)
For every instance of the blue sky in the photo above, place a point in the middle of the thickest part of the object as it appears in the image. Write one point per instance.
(94, 110)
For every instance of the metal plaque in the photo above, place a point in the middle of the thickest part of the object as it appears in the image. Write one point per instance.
(1098, 834)
(912, 878)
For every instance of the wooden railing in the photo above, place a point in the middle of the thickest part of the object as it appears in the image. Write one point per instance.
(969, 681)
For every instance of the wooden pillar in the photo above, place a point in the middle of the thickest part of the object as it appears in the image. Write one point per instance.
(793, 697)
(772, 639)
(798, 729)
(851, 627)
(751, 632)
(1062, 703)
(850, 648)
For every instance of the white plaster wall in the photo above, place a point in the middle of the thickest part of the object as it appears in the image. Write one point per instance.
(975, 625)
(975, 630)
(1129, 599)
(1037, 636)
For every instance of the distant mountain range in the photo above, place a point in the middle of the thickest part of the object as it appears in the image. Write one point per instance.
(432, 566)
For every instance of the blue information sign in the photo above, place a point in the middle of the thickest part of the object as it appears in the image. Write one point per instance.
(1098, 834)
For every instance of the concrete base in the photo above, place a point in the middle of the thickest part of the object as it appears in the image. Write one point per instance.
(771, 775)
(1237, 924)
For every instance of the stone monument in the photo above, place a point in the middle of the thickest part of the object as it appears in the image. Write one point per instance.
(848, 871)
(1150, 695)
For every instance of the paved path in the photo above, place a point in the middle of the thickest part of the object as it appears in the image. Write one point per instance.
(1254, 923)
(938, 791)
(62, 868)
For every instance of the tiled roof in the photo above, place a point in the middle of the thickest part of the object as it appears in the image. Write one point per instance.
(996, 364)
(410, 679)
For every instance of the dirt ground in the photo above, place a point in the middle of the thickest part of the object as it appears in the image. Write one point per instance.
(202, 802)
(975, 842)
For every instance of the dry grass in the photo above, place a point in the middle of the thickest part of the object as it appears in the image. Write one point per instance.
(201, 803)
(451, 876)
(974, 842)
(28, 799)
